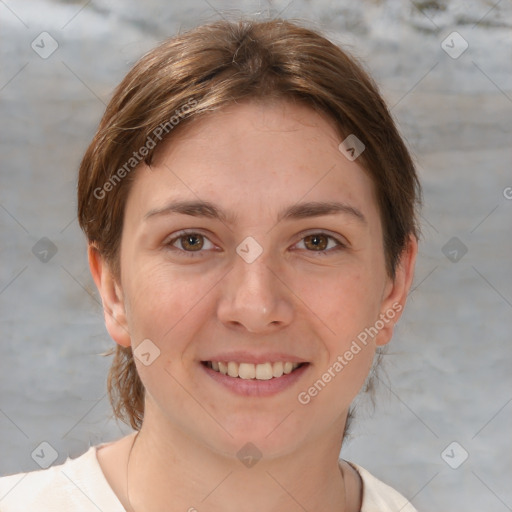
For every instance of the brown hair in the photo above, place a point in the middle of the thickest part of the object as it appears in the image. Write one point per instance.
(203, 70)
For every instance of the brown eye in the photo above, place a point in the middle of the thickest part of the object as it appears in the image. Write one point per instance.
(321, 243)
(317, 242)
(189, 244)
(193, 242)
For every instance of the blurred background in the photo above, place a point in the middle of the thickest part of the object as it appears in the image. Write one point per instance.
(440, 431)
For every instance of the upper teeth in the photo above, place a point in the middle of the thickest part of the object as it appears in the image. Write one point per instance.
(263, 371)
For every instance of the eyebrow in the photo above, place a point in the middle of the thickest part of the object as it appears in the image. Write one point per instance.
(297, 211)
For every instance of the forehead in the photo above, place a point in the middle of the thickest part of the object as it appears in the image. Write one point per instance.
(254, 157)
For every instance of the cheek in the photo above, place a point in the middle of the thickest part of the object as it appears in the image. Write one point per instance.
(164, 306)
(346, 304)
(162, 301)
(345, 301)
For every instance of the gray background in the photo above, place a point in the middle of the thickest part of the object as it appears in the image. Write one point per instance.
(448, 366)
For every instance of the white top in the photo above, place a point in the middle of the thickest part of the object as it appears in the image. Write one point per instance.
(80, 485)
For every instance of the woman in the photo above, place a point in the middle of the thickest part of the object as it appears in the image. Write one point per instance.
(250, 210)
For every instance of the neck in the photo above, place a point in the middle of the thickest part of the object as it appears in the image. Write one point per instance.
(173, 468)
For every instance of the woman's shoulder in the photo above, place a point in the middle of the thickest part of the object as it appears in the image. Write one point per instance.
(78, 483)
(380, 497)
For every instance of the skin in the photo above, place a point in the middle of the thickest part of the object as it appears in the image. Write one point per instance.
(252, 160)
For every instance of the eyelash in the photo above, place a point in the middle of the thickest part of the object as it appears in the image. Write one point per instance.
(194, 254)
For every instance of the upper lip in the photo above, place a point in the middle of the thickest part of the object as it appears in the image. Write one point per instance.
(242, 356)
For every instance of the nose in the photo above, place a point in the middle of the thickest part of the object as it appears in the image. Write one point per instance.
(255, 297)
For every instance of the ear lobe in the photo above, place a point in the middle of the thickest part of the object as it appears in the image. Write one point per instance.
(396, 291)
(111, 297)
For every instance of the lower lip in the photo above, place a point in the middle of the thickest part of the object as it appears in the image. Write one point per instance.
(254, 387)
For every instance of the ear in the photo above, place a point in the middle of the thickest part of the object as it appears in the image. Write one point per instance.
(396, 291)
(111, 297)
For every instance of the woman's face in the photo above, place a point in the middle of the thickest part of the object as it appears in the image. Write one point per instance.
(264, 273)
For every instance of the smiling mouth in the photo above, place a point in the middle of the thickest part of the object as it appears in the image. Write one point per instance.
(263, 371)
